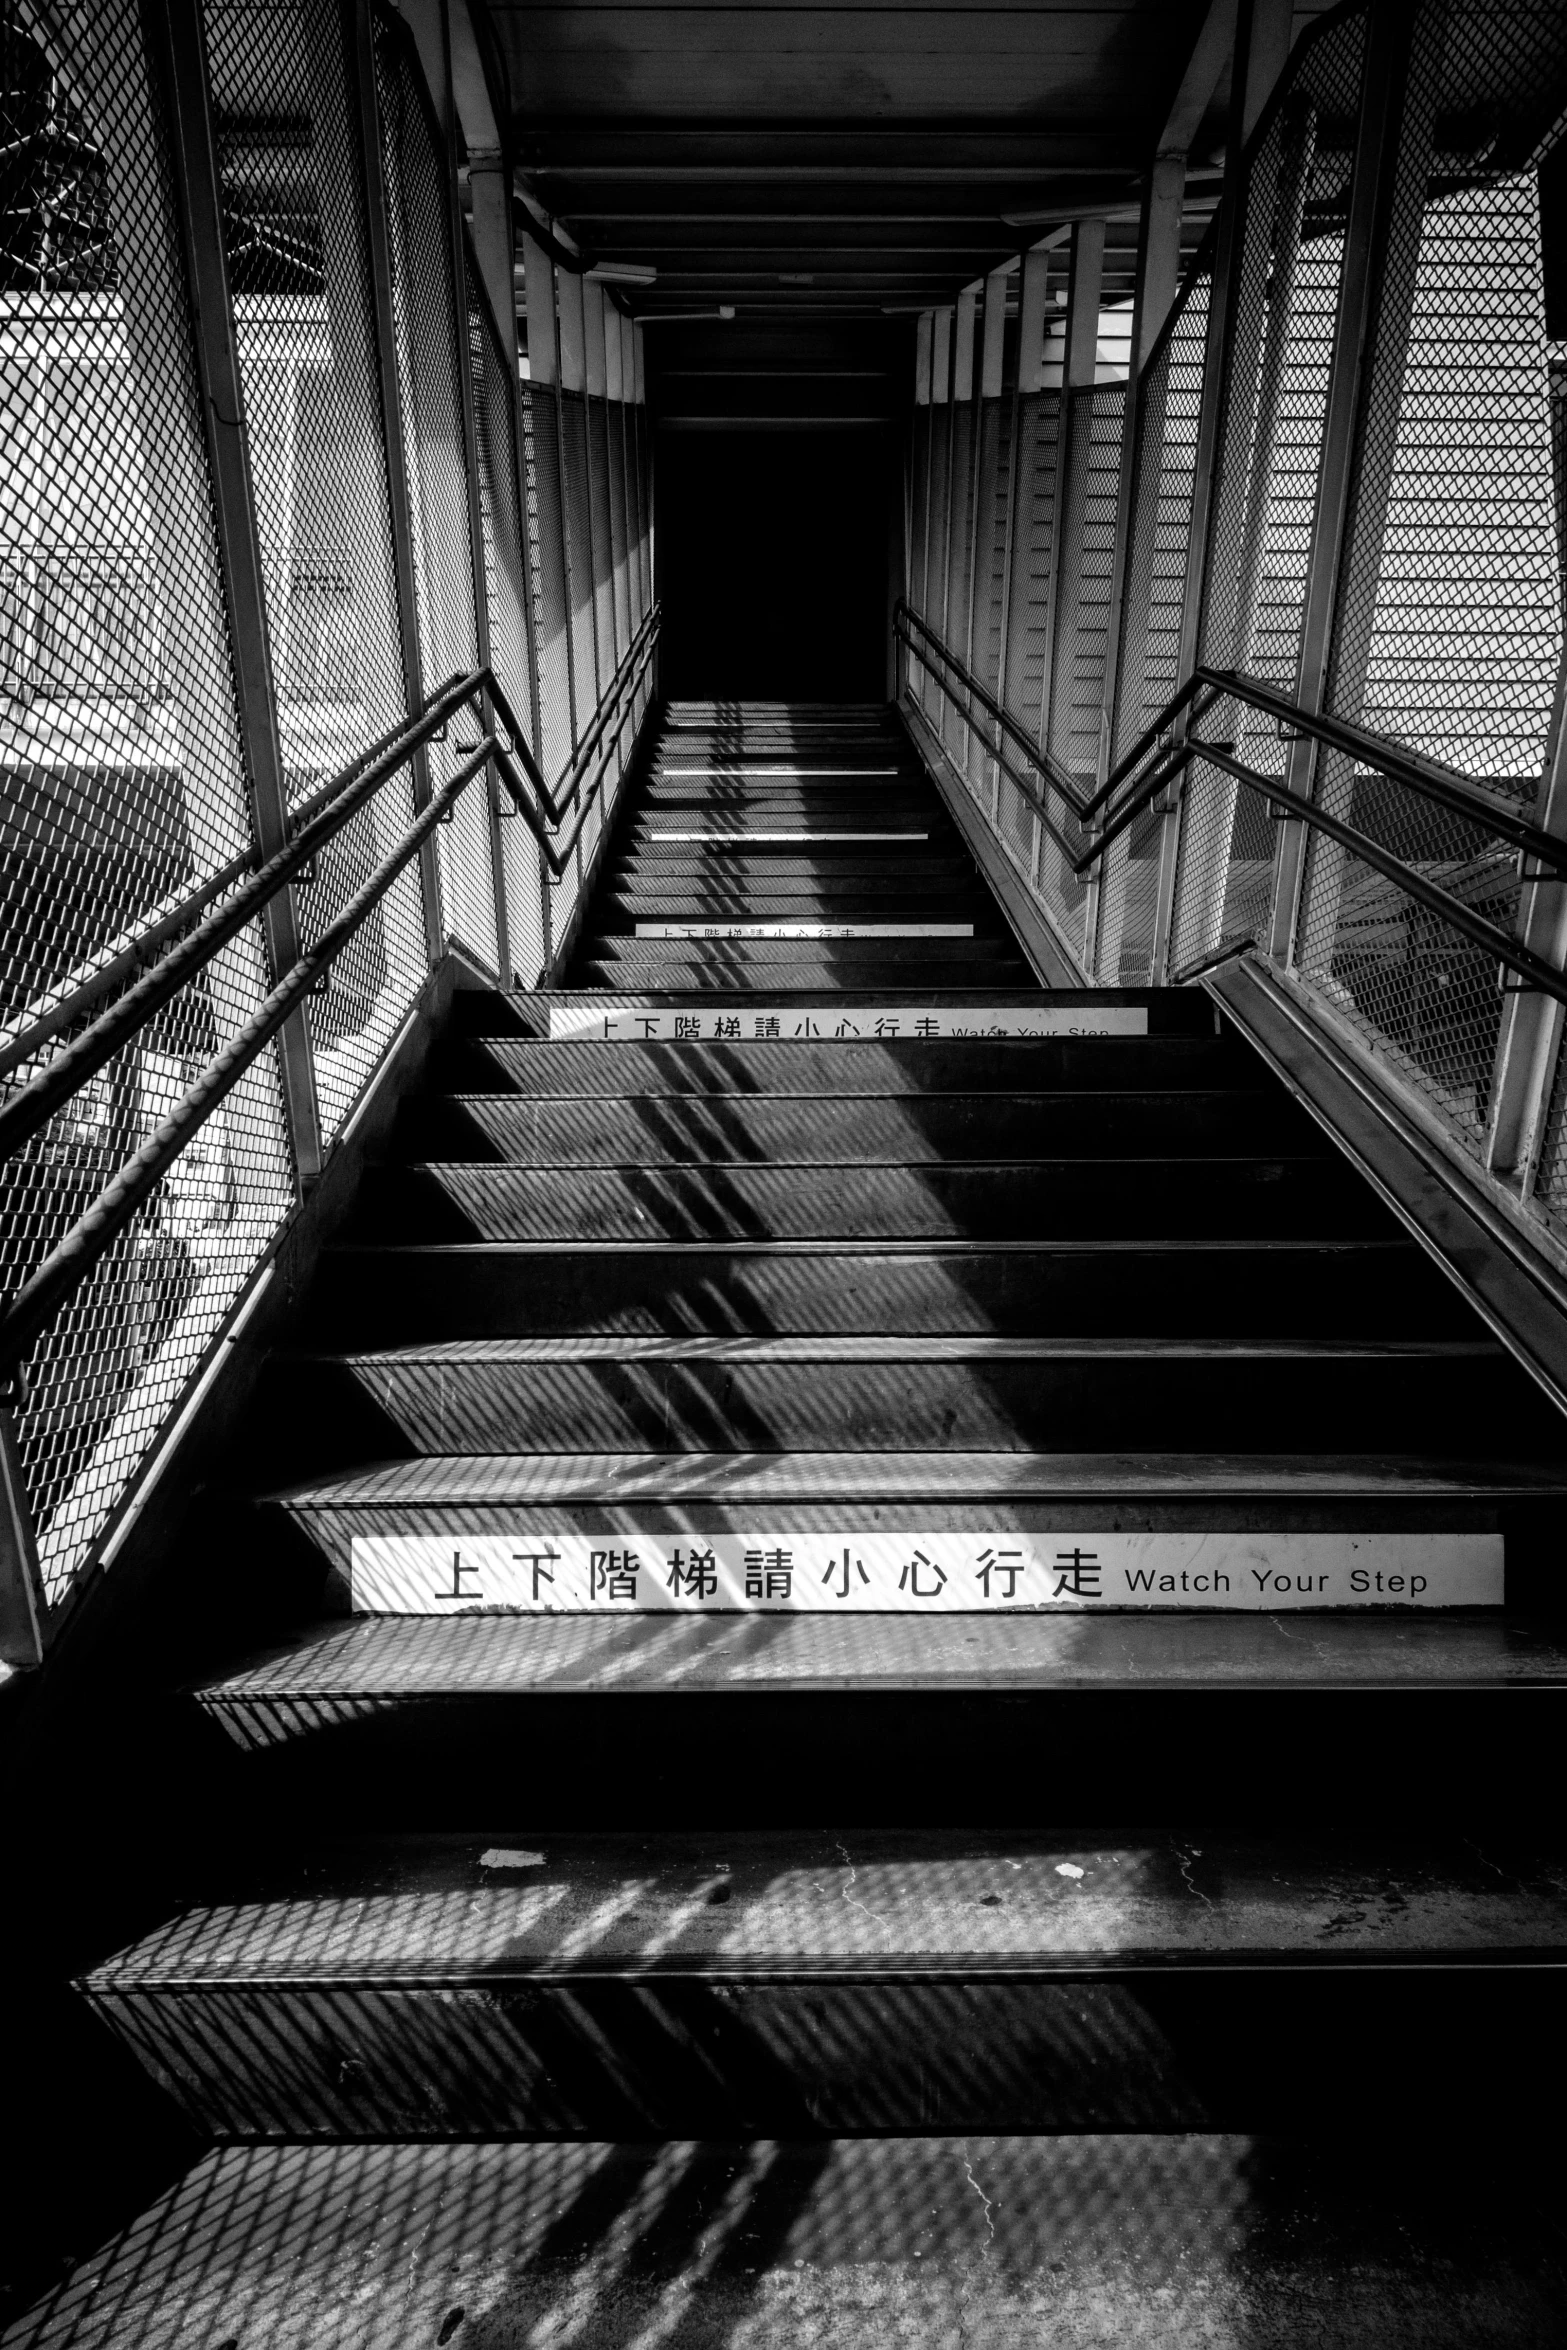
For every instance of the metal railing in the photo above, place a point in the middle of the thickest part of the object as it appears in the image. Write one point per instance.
(1331, 891)
(136, 985)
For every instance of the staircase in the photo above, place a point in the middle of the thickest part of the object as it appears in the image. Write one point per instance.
(798, 1936)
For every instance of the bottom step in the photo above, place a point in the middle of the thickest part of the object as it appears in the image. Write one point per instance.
(1188, 2241)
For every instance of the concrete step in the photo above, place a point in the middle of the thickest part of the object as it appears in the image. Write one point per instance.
(513, 1532)
(923, 1396)
(1197, 1725)
(519, 1982)
(862, 963)
(1082, 1098)
(1372, 2238)
(1102, 1128)
(381, 1294)
(699, 874)
(536, 1198)
(687, 968)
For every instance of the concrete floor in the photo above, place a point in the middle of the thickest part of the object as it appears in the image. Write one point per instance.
(1085, 2243)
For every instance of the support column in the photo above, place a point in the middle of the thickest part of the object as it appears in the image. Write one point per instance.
(933, 591)
(555, 652)
(1381, 185)
(574, 451)
(177, 29)
(960, 509)
(987, 463)
(1085, 285)
(359, 40)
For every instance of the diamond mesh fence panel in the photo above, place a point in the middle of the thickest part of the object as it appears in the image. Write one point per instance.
(304, 322)
(123, 784)
(432, 357)
(1447, 635)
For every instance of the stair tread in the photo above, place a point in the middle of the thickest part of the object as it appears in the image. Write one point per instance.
(1151, 1245)
(830, 1347)
(739, 1478)
(521, 1903)
(463, 1657)
(1184, 2237)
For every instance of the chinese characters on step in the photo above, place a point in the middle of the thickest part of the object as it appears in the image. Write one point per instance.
(951, 1571)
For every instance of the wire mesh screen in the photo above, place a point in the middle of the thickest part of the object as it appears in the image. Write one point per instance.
(433, 363)
(1447, 633)
(1082, 617)
(1429, 999)
(304, 324)
(123, 779)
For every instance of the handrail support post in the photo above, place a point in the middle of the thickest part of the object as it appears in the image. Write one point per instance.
(22, 1609)
(176, 28)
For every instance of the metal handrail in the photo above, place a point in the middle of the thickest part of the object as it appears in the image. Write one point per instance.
(558, 855)
(1207, 687)
(35, 1103)
(556, 807)
(1428, 777)
(29, 1310)
(108, 977)
(904, 612)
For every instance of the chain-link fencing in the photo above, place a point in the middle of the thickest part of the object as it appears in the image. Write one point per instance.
(394, 510)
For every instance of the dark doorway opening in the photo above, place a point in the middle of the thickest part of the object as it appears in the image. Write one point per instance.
(772, 564)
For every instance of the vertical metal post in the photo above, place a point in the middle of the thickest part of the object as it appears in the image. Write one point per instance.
(937, 503)
(177, 42)
(574, 378)
(22, 1608)
(962, 392)
(1030, 385)
(359, 37)
(960, 503)
(544, 371)
(1384, 89)
(1528, 1047)
(457, 243)
(1085, 284)
(987, 459)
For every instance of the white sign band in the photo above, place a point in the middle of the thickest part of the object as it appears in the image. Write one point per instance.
(804, 929)
(784, 1572)
(859, 1023)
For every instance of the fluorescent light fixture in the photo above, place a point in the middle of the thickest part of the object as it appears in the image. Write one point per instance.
(622, 273)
